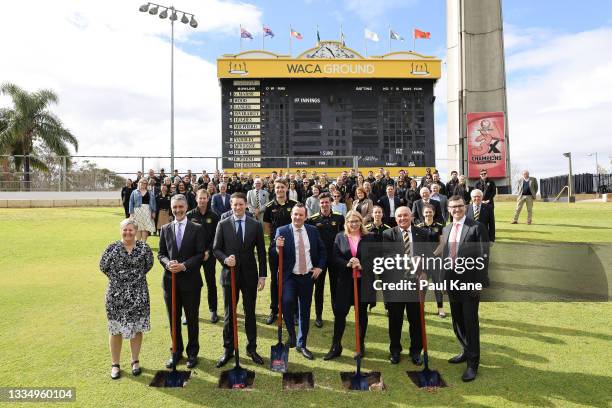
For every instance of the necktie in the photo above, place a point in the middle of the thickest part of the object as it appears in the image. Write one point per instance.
(239, 232)
(179, 235)
(453, 240)
(477, 213)
(257, 198)
(406, 237)
(301, 253)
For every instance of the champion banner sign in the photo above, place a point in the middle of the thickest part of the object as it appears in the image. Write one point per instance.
(486, 143)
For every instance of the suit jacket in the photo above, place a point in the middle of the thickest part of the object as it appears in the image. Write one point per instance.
(533, 186)
(488, 189)
(342, 254)
(443, 201)
(417, 212)
(420, 238)
(264, 197)
(191, 254)
(384, 203)
(227, 243)
(486, 217)
(473, 243)
(218, 206)
(318, 253)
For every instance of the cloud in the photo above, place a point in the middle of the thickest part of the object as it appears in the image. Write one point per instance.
(370, 11)
(559, 102)
(110, 66)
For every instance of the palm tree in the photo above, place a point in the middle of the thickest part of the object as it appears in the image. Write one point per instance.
(29, 122)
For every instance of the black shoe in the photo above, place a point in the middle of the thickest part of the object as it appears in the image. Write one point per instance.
(257, 359)
(184, 321)
(459, 358)
(319, 322)
(469, 374)
(291, 342)
(170, 363)
(227, 356)
(136, 371)
(213, 317)
(271, 318)
(394, 358)
(416, 359)
(118, 375)
(305, 352)
(335, 351)
(192, 362)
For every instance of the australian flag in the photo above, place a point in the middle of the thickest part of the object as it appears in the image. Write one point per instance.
(267, 32)
(245, 34)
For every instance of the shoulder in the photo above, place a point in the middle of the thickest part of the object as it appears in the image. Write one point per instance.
(113, 245)
(336, 212)
(270, 204)
(388, 233)
(193, 224)
(292, 202)
(420, 225)
(314, 216)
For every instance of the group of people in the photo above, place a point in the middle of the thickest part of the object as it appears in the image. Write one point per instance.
(321, 228)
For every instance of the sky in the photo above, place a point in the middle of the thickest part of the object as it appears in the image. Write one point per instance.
(110, 66)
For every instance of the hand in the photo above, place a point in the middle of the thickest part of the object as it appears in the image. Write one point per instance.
(256, 212)
(316, 272)
(351, 262)
(230, 261)
(206, 255)
(152, 216)
(423, 276)
(280, 242)
(176, 267)
(261, 283)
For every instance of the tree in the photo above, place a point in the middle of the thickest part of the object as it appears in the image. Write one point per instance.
(29, 122)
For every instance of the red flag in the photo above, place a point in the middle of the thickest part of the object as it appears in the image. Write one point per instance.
(296, 34)
(421, 34)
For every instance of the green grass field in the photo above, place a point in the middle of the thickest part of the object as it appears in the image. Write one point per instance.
(53, 329)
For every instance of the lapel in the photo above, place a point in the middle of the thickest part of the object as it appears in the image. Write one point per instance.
(289, 240)
(172, 239)
(464, 231)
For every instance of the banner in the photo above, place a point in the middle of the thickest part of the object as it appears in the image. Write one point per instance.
(486, 144)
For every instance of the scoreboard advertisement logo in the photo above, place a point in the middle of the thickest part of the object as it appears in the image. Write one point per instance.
(486, 144)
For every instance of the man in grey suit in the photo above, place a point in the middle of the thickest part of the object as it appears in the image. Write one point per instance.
(441, 198)
(257, 198)
(236, 239)
(527, 189)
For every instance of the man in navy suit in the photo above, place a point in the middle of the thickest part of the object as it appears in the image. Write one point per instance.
(417, 208)
(479, 211)
(221, 202)
(304, 257)
(389, 204)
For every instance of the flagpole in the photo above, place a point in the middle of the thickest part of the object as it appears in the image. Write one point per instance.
(413, 40)
(290, 29)
(318, 42)
(263, 38)
(365, 42)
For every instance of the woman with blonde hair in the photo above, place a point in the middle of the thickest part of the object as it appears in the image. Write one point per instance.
(346, 257)
(362, 204)
(142, 209)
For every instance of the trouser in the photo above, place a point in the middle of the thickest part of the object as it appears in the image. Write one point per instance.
(437, 278)
(188, 300)
(396, 322)
(248, 288)
(464, 314)
(319, 290)
(211, 283)
(519, 207)
(297, 289)
(273, 261)
(126, 209)
(344, 302)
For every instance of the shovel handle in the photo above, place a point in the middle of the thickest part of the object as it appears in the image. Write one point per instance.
(234, 315)
(280, 288)
(422, 310)
(173, 315)
(356, 307)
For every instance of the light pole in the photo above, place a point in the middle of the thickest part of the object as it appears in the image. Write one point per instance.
(570, 185)
(596, 162)
(173, 17)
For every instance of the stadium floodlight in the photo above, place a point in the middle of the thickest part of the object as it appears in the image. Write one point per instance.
(173, 17)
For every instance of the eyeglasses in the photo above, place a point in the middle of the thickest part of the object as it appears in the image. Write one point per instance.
(456, 207)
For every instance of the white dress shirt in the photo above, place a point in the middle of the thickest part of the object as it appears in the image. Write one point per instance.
(391, 206)
(306, 249)
(243, 219)
(458, 238)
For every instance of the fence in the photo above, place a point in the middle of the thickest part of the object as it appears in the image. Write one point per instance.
(582, 184)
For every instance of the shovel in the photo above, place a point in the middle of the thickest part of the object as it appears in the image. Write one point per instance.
(279, 353)
(237, 376)
(427, 377)
(359, 382)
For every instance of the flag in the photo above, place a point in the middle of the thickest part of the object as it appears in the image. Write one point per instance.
(318, 36)
(267, 32)
(395, 36)
(371, 35)
(567, 154)
(342, 39)
(245, 34)
(421, 34)
(295, 34)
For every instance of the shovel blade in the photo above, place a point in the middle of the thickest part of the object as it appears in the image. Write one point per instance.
(237, 377)
(279, 358)
(429, 378)
(359, 382)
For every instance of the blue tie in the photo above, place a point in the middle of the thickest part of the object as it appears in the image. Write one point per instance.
(179, 236)
(239, 231)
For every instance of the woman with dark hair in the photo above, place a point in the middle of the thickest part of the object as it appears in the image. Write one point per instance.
(412, 193)
(347, 256)
(126, 192)
(293, 193)
(212, 190)
(163, 207)
(400, 190)
(191, 202)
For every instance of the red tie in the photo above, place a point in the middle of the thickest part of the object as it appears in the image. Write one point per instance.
(301, 253)
(453, 240)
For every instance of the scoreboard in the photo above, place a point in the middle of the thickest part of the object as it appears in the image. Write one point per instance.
(307, 122)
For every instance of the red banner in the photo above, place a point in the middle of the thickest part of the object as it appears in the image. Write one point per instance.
(486, 144)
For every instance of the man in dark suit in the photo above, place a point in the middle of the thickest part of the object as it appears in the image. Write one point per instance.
(417, 208)
(487, 187)
(477, 210)
(389, 204)
(236, 239)
(181, 251)
(414, 240)
(304, 257)
(465, 239)
(221, 201)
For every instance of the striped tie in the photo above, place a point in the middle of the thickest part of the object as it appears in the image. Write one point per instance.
(406, 237)
(257, 202)
(477, 213)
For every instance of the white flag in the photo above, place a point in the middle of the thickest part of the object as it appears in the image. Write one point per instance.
(371, 35)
